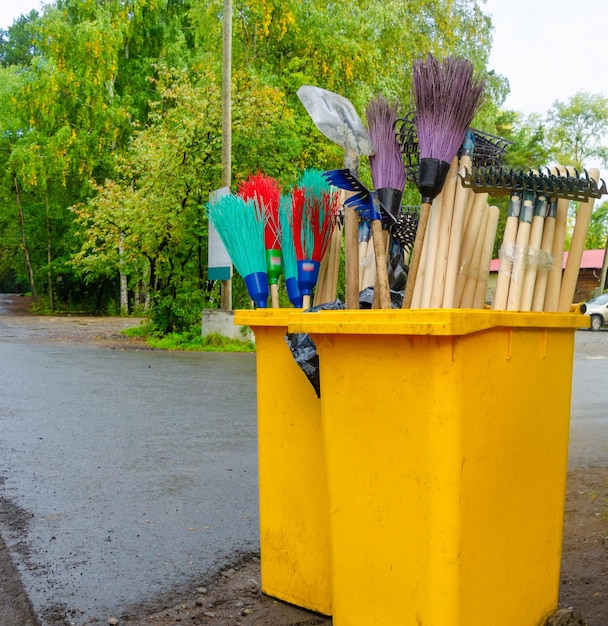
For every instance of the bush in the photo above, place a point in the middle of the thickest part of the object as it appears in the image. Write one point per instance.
(178, 313)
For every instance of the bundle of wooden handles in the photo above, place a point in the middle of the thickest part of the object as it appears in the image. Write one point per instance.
(531, 276)
(455, 258)
(454, 264)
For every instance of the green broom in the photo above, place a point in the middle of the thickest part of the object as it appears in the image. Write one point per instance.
(290, 261)
(240, 225)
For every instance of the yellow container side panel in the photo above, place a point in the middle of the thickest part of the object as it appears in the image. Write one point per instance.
(446, 459)
(294, 522)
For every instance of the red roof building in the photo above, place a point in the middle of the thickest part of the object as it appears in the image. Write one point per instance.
(588, 277)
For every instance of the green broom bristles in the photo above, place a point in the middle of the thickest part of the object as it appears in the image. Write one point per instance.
(240, 225)
(290, 261)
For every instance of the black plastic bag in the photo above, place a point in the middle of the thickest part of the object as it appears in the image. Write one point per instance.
(304, 349)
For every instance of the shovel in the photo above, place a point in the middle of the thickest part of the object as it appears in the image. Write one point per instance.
(337, 119)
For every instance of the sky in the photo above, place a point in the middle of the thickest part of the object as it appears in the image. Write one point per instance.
(547, 49)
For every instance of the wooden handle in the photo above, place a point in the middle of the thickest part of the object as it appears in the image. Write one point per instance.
(540, 286)
(527, 290)
(461, 200)
(479, 298)
(468, 243)
(351, 243)
(472, 274)
(519, 260)
(425, 210)
(419, 278)
(334, 262)
(274, 295)
(577, 245)
(381, 287)
(554, 280)
(445, 231)
(501, 292)
(327, 285)
(426, 269)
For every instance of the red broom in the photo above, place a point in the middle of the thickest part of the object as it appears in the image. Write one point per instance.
(315, 206)
(447, 96)
(266, 193)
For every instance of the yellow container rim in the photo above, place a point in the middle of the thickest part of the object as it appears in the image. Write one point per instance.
(263, 317)
(407, 321)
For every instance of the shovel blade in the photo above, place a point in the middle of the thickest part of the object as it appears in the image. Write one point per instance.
(336, 118)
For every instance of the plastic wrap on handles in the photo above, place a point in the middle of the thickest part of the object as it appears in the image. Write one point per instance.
(506, 255)
(523, 257)
(538, 259)
(470, 270)
(520, 258)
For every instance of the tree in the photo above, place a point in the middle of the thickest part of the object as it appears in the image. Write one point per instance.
(577, 129)
(529, 148)
(134, 148)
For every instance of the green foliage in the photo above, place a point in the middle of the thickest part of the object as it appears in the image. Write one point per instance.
(190, 340)
(598, 228)
(529, 147)
(193, 341)
(178, 311)
(115, 145)
(577, 128)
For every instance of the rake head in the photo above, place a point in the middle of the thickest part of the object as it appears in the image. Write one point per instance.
(404, 229)
(501, 182)
(489, 150)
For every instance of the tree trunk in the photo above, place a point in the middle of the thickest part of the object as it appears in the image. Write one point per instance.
(49, 256)
(28, 264)
(124, 294)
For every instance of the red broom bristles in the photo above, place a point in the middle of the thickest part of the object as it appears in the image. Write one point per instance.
(315, 207)
(265, 191)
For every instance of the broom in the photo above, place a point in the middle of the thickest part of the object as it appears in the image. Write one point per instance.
(240, 225)
(290, 262)
(315, 206)
(266, 193)
(447, 96)
(388, 177)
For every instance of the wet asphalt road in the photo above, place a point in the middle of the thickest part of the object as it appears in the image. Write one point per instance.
(588, 444)
(136, 471)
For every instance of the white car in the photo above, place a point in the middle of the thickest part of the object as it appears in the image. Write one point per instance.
(597, 309)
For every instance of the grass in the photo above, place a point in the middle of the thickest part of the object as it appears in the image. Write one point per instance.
(189, 341)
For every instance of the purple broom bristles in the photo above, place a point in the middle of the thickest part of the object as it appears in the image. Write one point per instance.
(386, 163)
(447, 96)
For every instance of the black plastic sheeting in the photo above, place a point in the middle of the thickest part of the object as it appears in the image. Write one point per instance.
(304, 349)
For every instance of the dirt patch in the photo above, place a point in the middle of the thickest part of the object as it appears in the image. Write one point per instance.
(19, 324)
(233, 596)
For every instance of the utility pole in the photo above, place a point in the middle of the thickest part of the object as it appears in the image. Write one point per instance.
(226, 285)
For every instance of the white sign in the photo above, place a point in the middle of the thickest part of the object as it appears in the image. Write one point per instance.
(220, 265)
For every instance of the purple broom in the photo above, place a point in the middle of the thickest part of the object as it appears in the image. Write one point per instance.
(388, 176)
(447, 95)
(386, 164)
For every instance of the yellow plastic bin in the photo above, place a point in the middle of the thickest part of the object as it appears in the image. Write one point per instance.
(446, 439)
(294, 519)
